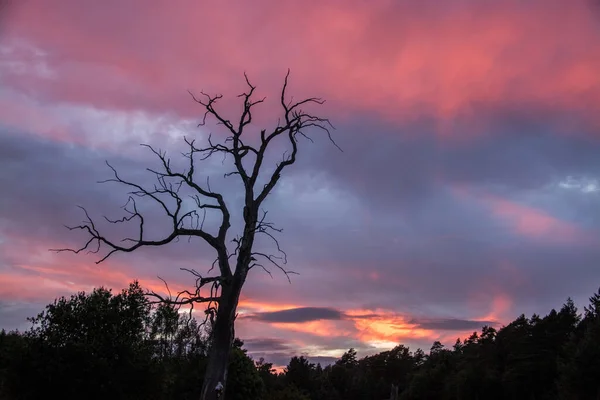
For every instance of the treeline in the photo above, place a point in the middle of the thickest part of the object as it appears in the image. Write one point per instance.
(104, 345)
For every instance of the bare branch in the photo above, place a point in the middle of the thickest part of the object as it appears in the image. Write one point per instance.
(295, 122)
(275, 261)
(169, 183)
(238, 150)
(186, 297)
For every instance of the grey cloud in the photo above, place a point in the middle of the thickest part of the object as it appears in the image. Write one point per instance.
(398, 167)
(323, 360)
(283, 359)
(45, 179)
(450, 324)
(277, 359)
(294, 315)
(279, 351)
(14, 314)
(262, 344)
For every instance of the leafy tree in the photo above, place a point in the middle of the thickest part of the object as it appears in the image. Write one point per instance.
(181, 348)
(244, 381)
(267, 373)
(299, 373)
(100, 344)
(94, 345)
(343, 374)
(580, 363)
(287, 393)
(378, 372)
(14, 352)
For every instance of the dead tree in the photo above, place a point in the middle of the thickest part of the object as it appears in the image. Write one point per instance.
(226, 284)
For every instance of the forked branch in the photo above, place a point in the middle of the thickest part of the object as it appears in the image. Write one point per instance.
(165, 194)
(295, 123)
(186, 297)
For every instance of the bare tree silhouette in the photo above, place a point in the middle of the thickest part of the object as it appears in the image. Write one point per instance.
(225, 285)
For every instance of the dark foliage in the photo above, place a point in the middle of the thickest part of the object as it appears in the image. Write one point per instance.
(102, 345)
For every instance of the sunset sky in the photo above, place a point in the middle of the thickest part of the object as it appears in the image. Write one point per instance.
(467, 192)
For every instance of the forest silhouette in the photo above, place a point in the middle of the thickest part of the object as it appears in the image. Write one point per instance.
(121, 346)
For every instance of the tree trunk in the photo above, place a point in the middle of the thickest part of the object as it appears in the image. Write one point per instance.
(393, 392)
(223, 331)
(218, 360)
(223, 335)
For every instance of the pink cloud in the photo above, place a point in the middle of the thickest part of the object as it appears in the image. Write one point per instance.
(24, 288)
(17, 113)
(527, 221)
(397, 59)
(531, 222)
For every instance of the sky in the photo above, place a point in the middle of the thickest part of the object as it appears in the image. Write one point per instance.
(466, 194)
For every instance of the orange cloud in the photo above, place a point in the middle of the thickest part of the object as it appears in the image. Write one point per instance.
(386, 326)
(253, 305)
(318, 328)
